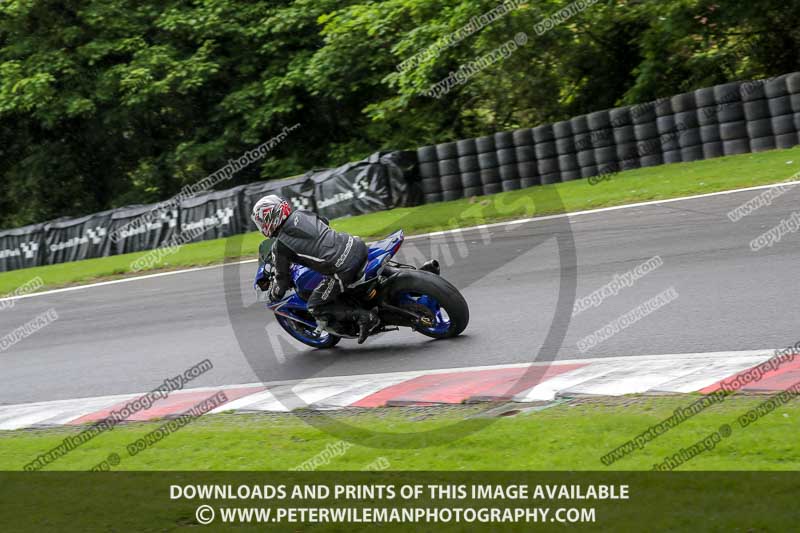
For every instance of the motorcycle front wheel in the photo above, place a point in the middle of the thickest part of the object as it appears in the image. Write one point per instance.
(308, 335)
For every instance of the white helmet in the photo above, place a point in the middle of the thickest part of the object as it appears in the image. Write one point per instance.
(269, 213)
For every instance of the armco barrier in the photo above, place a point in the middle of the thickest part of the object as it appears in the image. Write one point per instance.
(732, 118)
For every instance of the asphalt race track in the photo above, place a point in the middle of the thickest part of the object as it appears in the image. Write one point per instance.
(129, 337)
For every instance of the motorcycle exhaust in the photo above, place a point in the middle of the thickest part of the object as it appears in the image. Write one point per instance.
(431, 266)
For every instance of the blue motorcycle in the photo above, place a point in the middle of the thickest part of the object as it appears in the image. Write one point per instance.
(402, 295)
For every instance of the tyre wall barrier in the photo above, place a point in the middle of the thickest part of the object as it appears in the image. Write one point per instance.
(727, 119)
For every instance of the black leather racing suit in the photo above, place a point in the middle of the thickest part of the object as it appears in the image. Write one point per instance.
(306, 239)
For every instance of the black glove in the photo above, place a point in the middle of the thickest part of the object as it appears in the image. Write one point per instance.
(264, 283)
(276, 292)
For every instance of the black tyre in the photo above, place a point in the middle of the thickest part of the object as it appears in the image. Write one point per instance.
(736, 146)
(727, 92)
(543, 133)
(620, 116)
(759, 128)
(651, 160)
(545, 149)
(690, 137)
(431, 185)
(448, 166)
(523, 137)
(779, 106)
(490, 175)
(651, 147)
(603, 138)
(429, 170)
(787, 140)
(777, 87)
(757, 109)
(562, 129)
(583, 142)
(552, 177)
(665, 124)
(624, 134)
(645, 131)
(643, 113)
(503, 139)
(730, 112)
(469, 192)
(605, 155)
(409, 289)
(793, 83)
(525, 153)
(683, 102)
(466, 147)
(627, 151)
(426, 154)
(760, 144)
(589, 171)
(506, 156)
(692, 153)
(713, 149)
(565, 146)
(487, 160)
(527, 169)
(508, 172)
(707, 115)
(579, 124)
(662, 108)
(710, 134)
(686, 119)
(548, 166)
(307, 335)
(492, 188)
(569, 175)
(752, 91)
(585, 158)
(468, 163)
(672, 156)
(451, 182)
(453, 194)
(431, 198)
(485, 144)
(598, 120)
(567, 162)
(470, 179)
(704, 97)
(729, 131)
(446, 151)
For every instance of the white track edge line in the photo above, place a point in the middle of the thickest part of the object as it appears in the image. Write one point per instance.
(420, 236)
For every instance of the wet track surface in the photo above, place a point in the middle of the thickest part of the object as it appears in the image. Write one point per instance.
(129, 337)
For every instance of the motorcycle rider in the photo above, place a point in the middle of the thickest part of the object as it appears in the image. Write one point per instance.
(302, 237)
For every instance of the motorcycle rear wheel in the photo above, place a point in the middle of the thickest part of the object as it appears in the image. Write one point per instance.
(438, 300)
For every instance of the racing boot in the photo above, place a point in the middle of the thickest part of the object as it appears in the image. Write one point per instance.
(367, 321)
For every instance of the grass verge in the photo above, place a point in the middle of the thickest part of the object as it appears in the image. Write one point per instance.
(653, 183)
(571, 436)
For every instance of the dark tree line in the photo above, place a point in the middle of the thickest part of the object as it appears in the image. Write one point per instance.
(111, 102)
